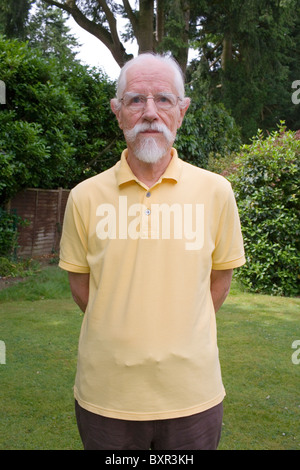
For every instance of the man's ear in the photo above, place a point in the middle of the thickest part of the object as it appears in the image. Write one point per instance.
(116, 108)
(183, 109)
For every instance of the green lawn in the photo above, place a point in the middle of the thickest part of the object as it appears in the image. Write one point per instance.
(40, 324)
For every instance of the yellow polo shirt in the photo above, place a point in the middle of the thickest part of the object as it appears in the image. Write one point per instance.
(148, 342)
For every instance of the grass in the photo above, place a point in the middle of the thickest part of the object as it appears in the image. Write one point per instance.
(40, 326)
(262, 407)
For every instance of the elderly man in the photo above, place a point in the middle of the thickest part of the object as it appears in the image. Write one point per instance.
(150, 246)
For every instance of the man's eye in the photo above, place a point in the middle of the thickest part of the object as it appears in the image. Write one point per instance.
(163, 99)
(136, 100)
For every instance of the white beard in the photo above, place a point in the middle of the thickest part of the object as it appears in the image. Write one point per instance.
(147, 149)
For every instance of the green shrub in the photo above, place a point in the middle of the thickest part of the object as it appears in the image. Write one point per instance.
(20, 268)
(56, 127)
(199, 140)
(9, 223)
(266, 188)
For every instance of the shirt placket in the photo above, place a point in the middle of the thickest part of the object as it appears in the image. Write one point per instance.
(146, 215)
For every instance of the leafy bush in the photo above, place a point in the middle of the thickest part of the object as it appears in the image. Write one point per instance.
(208, 133)
(20, 268)
(266, 187)
(56, 126)
(8, 232)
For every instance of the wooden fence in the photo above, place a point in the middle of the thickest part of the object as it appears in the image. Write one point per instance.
(44, 210)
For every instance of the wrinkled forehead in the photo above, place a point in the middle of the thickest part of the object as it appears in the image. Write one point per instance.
(150, 78)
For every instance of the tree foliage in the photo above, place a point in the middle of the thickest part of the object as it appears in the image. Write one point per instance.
(249, 55)
(266, 184)
(46, 30)
(13, 17)
(56, 121)
(208, 133)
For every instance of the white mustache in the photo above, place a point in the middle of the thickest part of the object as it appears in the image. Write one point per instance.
(131, 134)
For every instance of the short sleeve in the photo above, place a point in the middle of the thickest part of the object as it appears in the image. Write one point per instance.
(229, 248)
(73, 244)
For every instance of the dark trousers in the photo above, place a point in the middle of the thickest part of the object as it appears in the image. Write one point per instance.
(201, 431)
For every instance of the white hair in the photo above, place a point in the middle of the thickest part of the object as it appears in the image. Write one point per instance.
(178, 75)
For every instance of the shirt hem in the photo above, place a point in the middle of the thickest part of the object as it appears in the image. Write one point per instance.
(73, 267)
(137, 416)
(230, 264)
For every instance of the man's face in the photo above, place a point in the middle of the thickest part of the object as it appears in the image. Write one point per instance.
(150, 132)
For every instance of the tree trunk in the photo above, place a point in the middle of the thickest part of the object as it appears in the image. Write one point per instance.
(226, 57)
(179, 31)
(160, 21)
(184, 50)
(145, 37)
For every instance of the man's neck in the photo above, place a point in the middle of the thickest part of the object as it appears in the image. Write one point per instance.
(148, 173)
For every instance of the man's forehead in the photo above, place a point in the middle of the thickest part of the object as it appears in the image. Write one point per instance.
(150, 74)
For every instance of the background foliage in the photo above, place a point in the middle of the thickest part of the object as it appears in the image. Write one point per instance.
(249, 54)
(266, 184)
(56, 121)
(8, 233)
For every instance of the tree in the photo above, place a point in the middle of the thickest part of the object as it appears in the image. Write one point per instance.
(248, 51)
(13, 17)
(157, 24)
(47, 30)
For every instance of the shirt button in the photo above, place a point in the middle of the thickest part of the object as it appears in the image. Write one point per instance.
(148, 194)
(147, 212)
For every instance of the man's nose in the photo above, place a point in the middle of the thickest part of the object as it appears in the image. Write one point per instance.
(150, 110)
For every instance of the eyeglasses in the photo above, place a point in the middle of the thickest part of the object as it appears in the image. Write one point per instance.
(136, 102)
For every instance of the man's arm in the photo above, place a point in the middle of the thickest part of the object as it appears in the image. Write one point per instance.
(79, 284)
(220, 286)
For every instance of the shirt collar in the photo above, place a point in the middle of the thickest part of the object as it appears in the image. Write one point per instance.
(125, 175)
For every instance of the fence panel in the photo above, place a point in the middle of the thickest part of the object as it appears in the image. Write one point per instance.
(44, 210)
